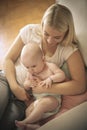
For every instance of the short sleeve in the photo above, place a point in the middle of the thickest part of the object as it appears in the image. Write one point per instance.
(29, 33)
(68, 51)
(62, 54)
(25, 33)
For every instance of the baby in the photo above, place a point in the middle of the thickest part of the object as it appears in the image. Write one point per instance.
(44, 74)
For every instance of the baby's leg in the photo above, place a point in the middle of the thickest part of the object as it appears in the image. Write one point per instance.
(28, 111)
(41, 106)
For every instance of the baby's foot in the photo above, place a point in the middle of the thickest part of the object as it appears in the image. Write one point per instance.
(24, 126)
(19, 124)
(31, 126)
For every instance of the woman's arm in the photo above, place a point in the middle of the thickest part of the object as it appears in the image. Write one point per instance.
(27, 83)
(76, 85)
(9, 68)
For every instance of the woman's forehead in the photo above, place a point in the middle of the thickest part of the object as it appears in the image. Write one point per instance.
(51, 30)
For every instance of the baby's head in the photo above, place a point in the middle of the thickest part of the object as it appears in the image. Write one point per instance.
(32, 56)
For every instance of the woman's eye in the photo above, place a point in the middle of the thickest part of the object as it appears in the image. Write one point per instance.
(57, 38)
(46, 34)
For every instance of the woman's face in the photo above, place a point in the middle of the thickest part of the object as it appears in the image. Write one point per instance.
(51, 36)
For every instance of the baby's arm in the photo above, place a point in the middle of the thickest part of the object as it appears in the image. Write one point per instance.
(57, 76)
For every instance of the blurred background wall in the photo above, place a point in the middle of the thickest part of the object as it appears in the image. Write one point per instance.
(14, 14)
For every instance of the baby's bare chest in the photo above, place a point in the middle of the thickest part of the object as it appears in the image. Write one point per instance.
(45, 74)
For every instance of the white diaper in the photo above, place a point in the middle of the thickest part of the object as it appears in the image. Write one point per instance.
(48, 114)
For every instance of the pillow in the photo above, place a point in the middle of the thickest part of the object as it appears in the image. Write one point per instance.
(79, 12)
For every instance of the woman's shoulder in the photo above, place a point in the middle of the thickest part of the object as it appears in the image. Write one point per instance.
(66, 51)
(68, 47)
(30, 32)
(29, 27)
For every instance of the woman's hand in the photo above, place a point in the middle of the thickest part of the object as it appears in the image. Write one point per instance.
(21, 94)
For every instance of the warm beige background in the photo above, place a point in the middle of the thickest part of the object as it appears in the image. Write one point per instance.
(14, 14)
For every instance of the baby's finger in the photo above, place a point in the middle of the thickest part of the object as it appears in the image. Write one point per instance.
(41, 84)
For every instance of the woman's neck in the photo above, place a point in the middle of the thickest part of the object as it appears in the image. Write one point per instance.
(49, 51)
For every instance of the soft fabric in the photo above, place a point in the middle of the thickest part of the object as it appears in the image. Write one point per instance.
(79, 12)
(11, 109)
(4, 91)
(74, 119)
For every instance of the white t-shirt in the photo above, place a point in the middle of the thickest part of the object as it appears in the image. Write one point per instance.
(30, 33)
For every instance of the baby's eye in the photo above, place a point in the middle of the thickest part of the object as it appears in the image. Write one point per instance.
(57, 37)
(33, 66)
(27, 67)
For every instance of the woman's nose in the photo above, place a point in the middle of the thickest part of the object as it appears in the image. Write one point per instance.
(50, 40)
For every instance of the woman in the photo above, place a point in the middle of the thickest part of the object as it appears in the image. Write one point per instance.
(59, 45)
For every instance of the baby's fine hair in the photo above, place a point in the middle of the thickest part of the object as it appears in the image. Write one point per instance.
(32, 49)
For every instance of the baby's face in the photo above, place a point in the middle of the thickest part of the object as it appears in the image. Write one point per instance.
(33, 65)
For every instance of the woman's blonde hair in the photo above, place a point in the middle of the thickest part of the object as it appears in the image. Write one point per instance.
(60, 18)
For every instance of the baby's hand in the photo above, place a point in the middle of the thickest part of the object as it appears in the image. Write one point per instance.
(35, 81)
(47, 83)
